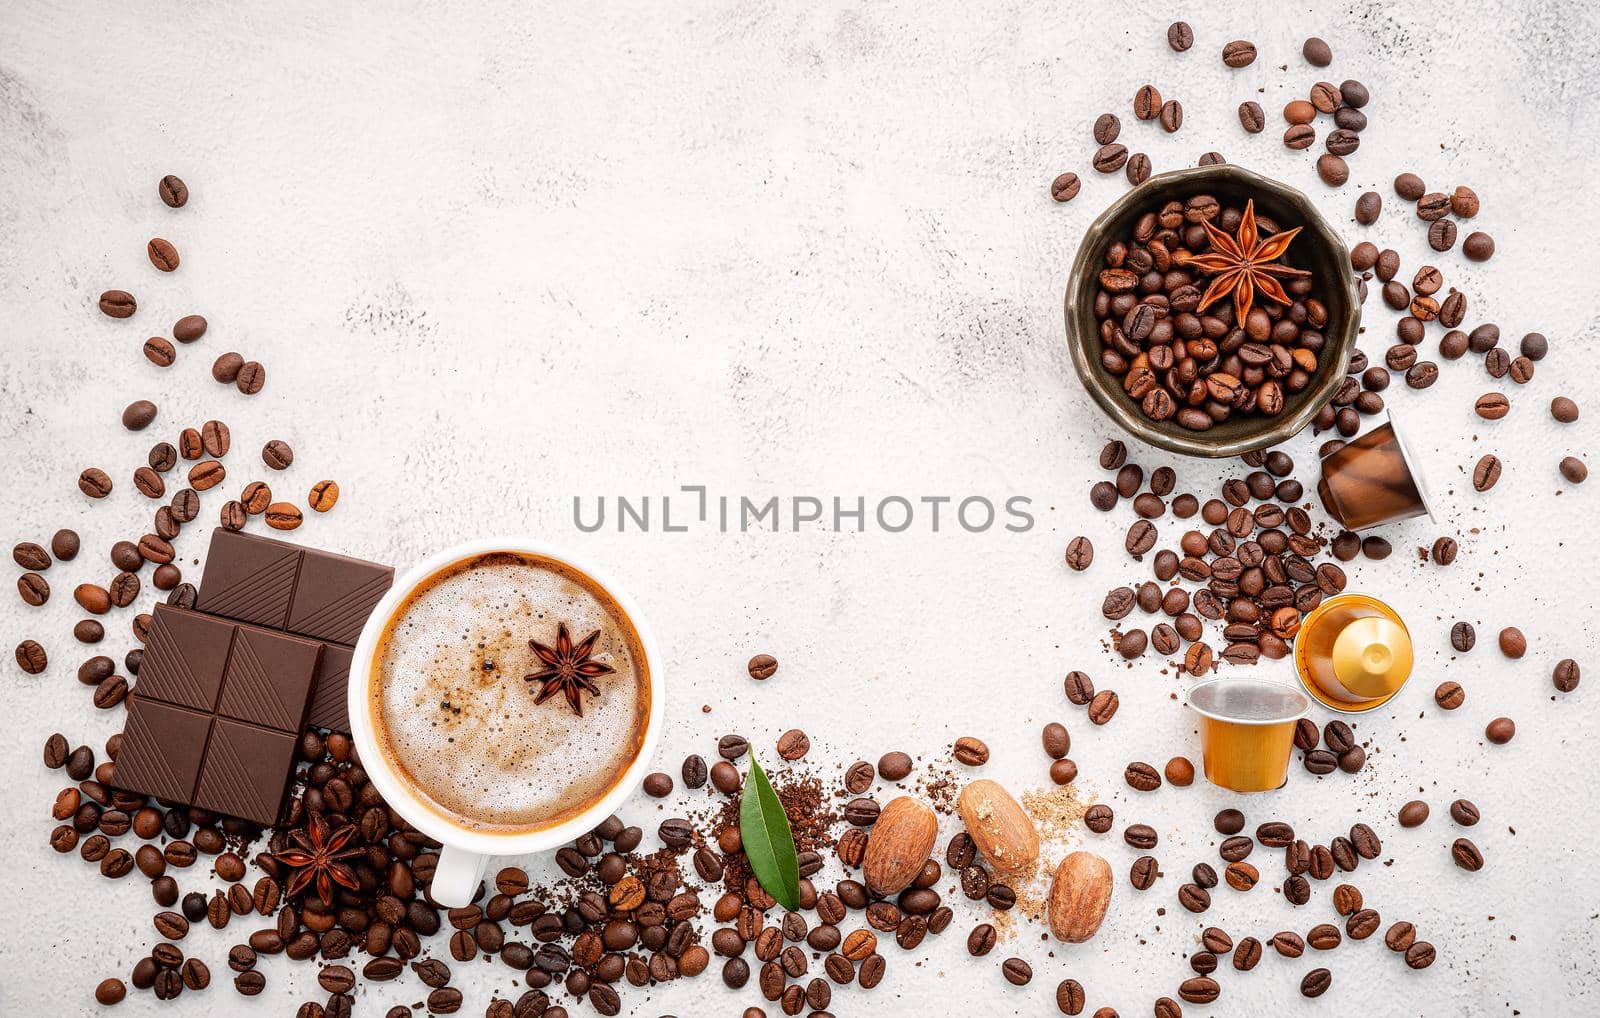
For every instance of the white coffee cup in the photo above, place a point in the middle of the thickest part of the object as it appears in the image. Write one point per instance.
(467, 852)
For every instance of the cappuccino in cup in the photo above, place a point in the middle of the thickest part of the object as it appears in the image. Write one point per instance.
(510, 692)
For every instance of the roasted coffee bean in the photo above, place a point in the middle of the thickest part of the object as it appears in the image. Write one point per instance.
(1466, 855)
(1299, 136)
(250, 378)
(1239, 53)
(94, 482)
(971, 752)
(1574, 470)
(138, 415)
(1017, 971)
(1333, 170)
(1146, 103)
(124, 588)
(1251, 117)
(118, 304)
(283, 516)
(1141, 776)
(33, 589)
(31, 657)
(1512, 643)
(162, 254)
(1478, 246)
(1180, 37)
(1565, 675)
(1140, 836)
(1110, 157)
(1065, 187)
(1194, 898)
(1492, 406)
(1103, 708)
(1400, 936)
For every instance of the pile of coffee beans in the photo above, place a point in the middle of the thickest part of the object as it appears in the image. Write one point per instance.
(1342, 753)
(1255, 564)
(204, 448)
(1199, 368)
(1343, 102)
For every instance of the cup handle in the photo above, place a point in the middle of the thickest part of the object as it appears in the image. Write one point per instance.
(456, 877)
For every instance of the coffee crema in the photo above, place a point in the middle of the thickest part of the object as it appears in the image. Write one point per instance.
(452, 713)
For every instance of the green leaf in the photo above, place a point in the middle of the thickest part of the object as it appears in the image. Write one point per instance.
(768, 842)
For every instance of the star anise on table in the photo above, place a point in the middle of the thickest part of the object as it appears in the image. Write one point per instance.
(568, 668)
(316, 854)
(1244, 264)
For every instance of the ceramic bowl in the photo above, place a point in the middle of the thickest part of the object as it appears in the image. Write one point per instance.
(1318, 248)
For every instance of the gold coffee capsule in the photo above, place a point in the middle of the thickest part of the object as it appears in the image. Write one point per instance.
(1353, 653)
(1373, 479)
(1247, 731)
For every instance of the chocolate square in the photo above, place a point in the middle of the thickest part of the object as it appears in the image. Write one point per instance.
(162, 747)
(185, 655)
(328, 696)
(269, 679)
(249, 578)
(335, 594)
(246, 771)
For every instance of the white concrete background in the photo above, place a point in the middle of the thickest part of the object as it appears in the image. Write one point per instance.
(495, 257)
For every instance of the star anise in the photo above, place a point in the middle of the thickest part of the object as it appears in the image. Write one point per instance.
(1244, 264)
(317, 855)
(568, 669)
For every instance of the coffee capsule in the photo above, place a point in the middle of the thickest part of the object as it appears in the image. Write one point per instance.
(1373, 479)
(1353, 653)
(1247, 731)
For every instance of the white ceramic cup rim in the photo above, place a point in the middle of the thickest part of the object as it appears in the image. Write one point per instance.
(397, 793)
(1305, 707)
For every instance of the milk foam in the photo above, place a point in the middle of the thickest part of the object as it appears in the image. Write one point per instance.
(453, 713)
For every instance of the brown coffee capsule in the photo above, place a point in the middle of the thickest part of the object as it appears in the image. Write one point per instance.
(1372, 480)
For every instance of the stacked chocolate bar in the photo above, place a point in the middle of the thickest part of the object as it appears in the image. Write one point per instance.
(226, 689)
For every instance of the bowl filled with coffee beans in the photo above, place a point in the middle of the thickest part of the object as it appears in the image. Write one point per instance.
(1211, 311)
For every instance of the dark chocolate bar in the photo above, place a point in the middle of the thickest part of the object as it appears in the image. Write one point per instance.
(311, 593)
(217, 713)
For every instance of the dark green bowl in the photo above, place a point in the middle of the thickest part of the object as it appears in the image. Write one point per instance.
(1318, 248)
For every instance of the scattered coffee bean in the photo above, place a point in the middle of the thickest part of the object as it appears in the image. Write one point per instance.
(1565, 675)
(277, 454)
(1466, 855)
(136, 416)
(283, 516)
(1492, 406)
(1180, 36)
(1239, 53)
(1449, 695)
(1106, 128)
(163, 255)
(1251, 117)
(324, 495)
(1080, 554)
(1512, 643)
(1574, 469)
(173, 191)
(1500, 731)
(1486, 472)
(251, 377)
(1368, 207)
(1065, 187)
(226, 367)
(1478, 246)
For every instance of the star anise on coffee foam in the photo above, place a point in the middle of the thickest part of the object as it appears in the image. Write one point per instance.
(568, 669)
(317, 855)
(1243, 264)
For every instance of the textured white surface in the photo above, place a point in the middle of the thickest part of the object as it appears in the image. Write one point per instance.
(494, 257)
